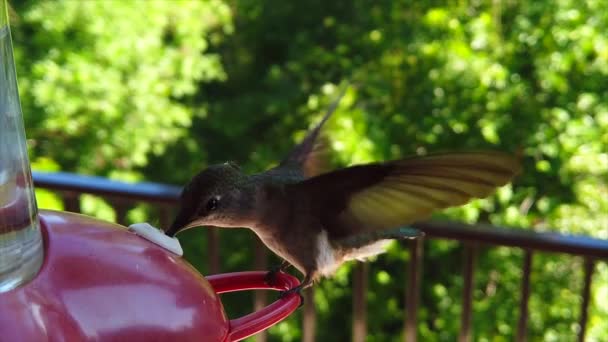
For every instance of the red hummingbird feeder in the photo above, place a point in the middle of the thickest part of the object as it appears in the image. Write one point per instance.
(69, 277)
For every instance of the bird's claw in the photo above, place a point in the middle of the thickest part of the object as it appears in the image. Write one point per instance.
(297, 290)
(271, 277)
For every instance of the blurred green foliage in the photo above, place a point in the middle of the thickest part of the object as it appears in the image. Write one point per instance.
(156, 90)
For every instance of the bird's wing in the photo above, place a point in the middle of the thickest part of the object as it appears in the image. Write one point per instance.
(387, 195)
(312, 154)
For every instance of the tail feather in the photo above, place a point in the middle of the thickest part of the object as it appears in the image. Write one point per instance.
(368, 244)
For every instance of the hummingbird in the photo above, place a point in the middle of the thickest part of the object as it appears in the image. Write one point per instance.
(316, 220)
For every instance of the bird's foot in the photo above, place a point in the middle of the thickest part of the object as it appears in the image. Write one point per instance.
(271, 277)
(297, 289)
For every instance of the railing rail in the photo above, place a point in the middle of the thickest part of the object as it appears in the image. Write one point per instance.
(514, 237)
(122, 195)
(142, 191)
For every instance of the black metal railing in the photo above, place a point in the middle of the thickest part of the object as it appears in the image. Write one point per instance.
(123, 195)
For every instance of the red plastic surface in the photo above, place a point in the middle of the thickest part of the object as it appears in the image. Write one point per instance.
(251, 324)
(100, 282)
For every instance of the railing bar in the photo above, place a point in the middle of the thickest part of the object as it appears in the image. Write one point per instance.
(71, 201)
(470, 255)
(213, 240)
(309, 321)
(522, 324)
(588, 269)
(164, 217)
(121, 212)
(360, 284)
(412, 290)
(260, 262)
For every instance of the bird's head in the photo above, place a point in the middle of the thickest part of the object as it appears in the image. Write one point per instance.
(217, 196)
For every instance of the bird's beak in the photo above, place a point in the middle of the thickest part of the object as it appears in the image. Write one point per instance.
(182, 223)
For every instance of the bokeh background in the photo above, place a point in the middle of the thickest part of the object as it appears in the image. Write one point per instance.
(157, 90)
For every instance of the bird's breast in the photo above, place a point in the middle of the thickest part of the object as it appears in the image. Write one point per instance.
(280, 248)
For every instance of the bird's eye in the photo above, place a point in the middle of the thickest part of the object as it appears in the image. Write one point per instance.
(212, 204)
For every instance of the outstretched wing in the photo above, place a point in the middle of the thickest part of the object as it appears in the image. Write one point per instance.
(387, 195)
(312, 154)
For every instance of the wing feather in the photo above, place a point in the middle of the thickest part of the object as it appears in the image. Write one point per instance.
(387, 195)
(312, 155)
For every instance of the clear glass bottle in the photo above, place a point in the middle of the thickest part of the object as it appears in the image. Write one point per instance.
(21, 247)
